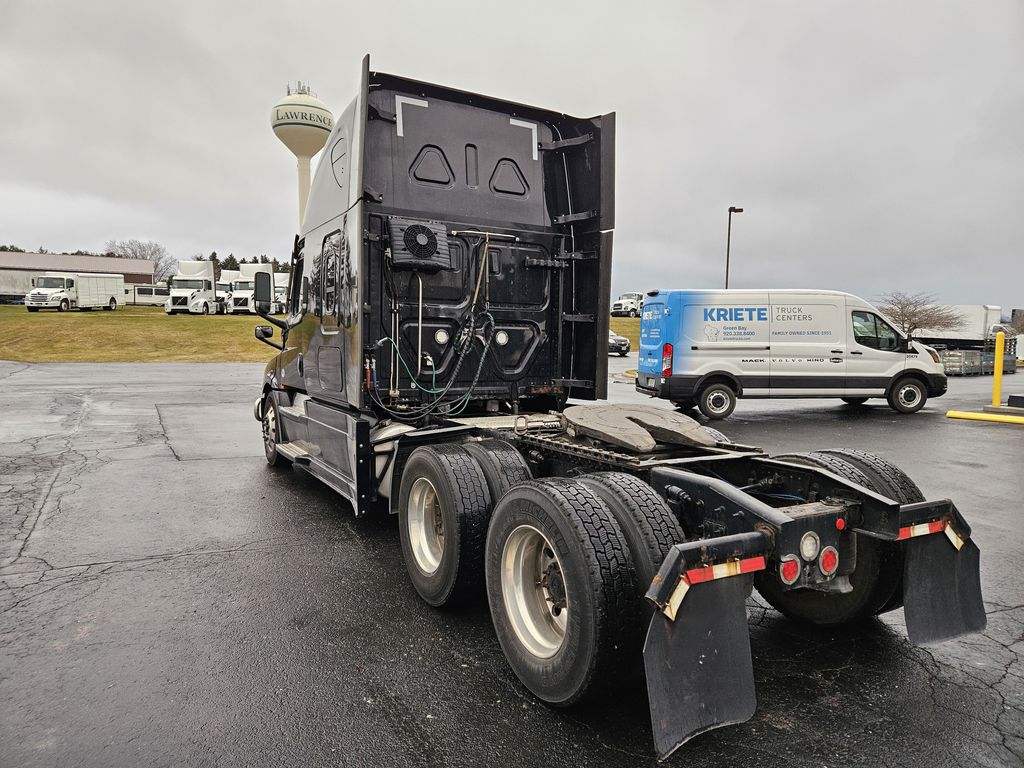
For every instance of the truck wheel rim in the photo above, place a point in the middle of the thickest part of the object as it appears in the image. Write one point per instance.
(909, 395)
(269, 430)
(534, 591)
(426, 526)
(718, 402)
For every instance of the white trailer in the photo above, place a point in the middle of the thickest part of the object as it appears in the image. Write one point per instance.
(75, 290)
(979, 324)
(192, 289)
(241, 294)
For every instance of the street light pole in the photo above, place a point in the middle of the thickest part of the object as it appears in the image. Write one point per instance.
(728, 241)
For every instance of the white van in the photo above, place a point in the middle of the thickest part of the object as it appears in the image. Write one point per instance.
(708, 347)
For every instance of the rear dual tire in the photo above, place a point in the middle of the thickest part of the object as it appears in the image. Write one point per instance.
(878, 577)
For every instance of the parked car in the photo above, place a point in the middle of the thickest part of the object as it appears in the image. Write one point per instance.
(617, 344)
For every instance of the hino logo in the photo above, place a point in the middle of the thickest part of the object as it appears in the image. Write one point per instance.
(735, 314)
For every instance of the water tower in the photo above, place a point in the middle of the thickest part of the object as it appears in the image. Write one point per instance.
(303, 123)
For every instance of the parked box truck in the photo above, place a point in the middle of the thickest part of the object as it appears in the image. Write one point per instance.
(80, 290)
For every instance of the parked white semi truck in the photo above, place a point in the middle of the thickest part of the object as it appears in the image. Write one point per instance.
(75, 290)
(192, 289)
(241, 294)
(282, 281)
(225, 289)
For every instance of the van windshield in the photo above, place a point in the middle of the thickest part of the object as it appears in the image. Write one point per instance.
(50, 282)
(189, 285)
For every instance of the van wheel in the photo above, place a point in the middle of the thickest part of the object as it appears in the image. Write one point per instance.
(717, 401)
(562, 591)
(878, 573)
(855, 400)
(270, 425)
(907, 395)
(443, 510)
(65, 305)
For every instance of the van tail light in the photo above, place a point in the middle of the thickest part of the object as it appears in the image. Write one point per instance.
(666, 360)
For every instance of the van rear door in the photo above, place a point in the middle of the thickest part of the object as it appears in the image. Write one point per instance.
(653, 334)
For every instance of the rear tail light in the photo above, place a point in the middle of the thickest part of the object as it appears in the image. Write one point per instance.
(789, 569)
(828, 560)
(666, 360)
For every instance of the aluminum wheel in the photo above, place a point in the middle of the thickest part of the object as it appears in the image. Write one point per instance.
(269, 429)
(425, 526)
(534, 591)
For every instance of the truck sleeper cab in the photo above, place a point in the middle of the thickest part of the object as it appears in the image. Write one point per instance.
(709, 347)
(449, 294)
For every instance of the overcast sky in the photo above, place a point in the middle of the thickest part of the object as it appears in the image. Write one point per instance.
(873, 145)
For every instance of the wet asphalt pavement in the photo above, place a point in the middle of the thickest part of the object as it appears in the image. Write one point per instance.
(168, 599)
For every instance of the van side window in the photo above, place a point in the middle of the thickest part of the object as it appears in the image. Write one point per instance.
(870, 330)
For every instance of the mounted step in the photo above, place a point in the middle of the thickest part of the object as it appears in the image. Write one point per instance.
(298, 451)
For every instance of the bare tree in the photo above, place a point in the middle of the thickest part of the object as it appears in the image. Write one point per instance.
(163, 263)
(912, 311)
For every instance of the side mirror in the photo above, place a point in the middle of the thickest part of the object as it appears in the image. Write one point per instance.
(264, 293)
(265, 333)
(33, 282)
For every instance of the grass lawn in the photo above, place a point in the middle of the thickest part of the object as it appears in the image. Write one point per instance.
(146, 334)
(628, 327)
(130, 334)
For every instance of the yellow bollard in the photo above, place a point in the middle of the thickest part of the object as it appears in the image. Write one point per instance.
(997, 370)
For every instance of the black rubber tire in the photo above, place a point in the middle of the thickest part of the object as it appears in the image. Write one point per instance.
(647, 523)
(632, 313)
(465, 505)
(623, 354)
(502, 464)
(271, 430)
(604, 624)
(111, 305)
(719, 436)
(32, 309)
(892, 482)
(64, 306)
(713, 394)
(854, 400)
(898, 394)
(878, 573)
(206, 309)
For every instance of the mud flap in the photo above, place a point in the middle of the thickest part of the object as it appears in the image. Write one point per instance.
(699, 670)
(941, 589)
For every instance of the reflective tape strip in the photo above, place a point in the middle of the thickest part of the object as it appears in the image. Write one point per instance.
(710, 573)
(936, 526)
(921, 529)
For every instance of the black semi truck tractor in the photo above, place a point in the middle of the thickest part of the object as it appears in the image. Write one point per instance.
(449, 299)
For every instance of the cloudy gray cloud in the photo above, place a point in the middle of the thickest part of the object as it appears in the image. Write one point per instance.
(873, 145)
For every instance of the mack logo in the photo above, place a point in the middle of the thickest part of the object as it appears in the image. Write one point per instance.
(735, 314)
